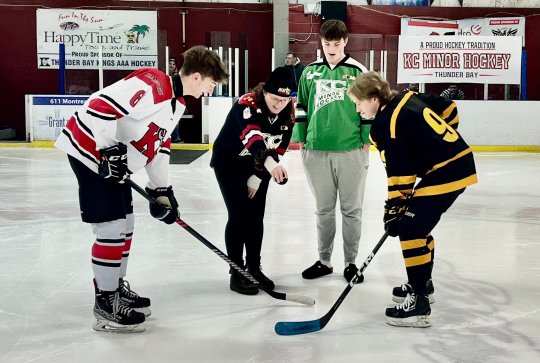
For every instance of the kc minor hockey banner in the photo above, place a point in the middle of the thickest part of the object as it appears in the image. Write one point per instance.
(475, 59)
(128, 39)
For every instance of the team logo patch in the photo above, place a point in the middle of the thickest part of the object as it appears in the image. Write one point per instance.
(247, 113)
(284, 91)
(349, 77)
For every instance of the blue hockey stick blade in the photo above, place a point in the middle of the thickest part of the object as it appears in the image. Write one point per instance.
(297, 327)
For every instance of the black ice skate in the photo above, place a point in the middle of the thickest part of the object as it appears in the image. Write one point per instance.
(133, 300)
(413, 312)
(113, 315)
(400, 293)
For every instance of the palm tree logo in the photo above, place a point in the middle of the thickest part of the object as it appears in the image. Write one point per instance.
(139, 30)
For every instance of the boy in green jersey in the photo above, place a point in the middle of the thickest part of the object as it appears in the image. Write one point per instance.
(335, 147)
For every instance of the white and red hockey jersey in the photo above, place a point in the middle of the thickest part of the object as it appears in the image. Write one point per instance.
(139, 111)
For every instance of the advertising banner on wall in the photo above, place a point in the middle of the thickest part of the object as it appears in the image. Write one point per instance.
(46, 115)
(478, 59)
(128, 39)
(506, 26)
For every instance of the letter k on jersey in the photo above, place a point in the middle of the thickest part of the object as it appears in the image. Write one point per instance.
(146, 145)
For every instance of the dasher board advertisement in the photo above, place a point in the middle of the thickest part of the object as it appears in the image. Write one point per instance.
(128, 38)
(48, 114)
(449, 59)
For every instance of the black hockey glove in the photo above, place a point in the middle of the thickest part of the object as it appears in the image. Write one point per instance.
(167, 210)
(393, 212)
(113, 163)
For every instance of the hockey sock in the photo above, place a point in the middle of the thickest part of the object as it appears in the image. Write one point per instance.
(107, 253)
(130, 222)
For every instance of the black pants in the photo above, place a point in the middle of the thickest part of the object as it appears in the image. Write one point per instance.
(245, 216)
(417, 243)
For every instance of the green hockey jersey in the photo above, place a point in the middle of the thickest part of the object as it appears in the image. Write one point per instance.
(326, 118)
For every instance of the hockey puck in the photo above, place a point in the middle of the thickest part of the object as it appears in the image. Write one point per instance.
(284, 181)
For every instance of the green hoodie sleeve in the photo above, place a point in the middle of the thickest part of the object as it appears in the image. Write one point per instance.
(365, 128)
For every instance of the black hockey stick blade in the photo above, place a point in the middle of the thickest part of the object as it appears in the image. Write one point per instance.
(276, 295)
(310, 326)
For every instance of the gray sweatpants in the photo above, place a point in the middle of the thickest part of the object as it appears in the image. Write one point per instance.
(329, 174)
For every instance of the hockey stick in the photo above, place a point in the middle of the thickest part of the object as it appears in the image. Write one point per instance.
(303, 327)
(276, 295)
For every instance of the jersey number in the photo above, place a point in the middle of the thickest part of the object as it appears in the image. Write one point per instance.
(440, 126)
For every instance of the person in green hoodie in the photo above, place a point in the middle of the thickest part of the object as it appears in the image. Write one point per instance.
(334, 140)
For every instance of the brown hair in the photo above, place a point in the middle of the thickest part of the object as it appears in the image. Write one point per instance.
(371, 84)
(333, 29)
(207, 63)
(258, 97)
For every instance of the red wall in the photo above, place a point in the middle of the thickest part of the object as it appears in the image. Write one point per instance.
(18, 65)
(19, 74)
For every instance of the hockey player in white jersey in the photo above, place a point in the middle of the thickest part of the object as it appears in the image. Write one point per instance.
(119, 130)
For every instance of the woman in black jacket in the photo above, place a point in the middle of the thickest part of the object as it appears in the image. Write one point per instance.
(245, 157)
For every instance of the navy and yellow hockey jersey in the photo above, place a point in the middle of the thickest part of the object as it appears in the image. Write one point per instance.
(417, 139)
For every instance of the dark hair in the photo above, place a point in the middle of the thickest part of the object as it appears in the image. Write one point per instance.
(258, 97)
(207, 63)
(293, 54)
(333, 29)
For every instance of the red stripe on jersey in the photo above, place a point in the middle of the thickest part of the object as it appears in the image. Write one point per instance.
(103, 107)
(81, 138)
(281, 150)
(111, 253)
(127, 245)
(181, 100)
(253, 140)
(248, 129)
(159, 81)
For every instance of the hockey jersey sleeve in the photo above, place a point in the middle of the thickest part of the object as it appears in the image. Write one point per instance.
(138, 95)
(158, 168)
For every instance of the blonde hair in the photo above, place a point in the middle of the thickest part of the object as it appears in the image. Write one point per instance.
(371, 84)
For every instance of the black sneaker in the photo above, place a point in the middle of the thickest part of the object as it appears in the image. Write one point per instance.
(114, 315)
(317, 270)
(413, 312)
(350, 271)
(133, 300)
(242, 284)
(264, 281)
(400, 293)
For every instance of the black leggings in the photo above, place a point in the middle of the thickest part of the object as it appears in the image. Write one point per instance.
(245, 222)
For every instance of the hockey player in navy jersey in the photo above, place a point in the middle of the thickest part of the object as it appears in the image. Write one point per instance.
(428, 165)
(119, 130)
(246, 156)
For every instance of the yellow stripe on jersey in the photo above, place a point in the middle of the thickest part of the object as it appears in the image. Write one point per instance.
(418, 260)
(447, 187)
(431, 245)
(396, 112)
(454, 121)
(459, 155)
(400, 194)
(413, 243)
(399, 180)
(448, 111)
